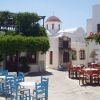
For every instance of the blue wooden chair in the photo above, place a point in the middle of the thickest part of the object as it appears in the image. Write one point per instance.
(2, 83)
(45, 81)
(21, 77)
(41, 89)
(1, 86)
(38, 92)
(1, 70)
(9, 79)
(18, 93)
(4, 72)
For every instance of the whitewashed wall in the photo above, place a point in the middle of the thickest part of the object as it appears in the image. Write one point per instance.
(42, 61)
(79, 46)
(95, 17)
(56, 28)
(54, 48)
(89, 26)
(40, 65)
(92, 27)
(34, 67)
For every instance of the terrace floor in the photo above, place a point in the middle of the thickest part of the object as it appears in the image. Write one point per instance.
(63, 88)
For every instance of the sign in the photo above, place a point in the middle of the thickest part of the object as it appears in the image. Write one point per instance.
(94, 34)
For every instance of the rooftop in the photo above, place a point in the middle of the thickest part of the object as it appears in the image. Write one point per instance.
(53, 18)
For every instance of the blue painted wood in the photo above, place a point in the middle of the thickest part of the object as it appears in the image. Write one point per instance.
(45, 81)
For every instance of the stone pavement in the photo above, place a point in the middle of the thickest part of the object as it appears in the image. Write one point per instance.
(63, 88)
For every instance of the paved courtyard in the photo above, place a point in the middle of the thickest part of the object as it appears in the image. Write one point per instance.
(63, 88)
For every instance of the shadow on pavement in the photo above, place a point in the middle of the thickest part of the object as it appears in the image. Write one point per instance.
(39, 73)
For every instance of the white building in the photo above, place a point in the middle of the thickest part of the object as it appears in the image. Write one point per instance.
(93, 25)
(66, 45)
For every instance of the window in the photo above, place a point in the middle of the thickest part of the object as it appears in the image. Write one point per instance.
(47, 26)
(31, 58)
(51, 57)
(59, 26)
(74, 55)
(82, 54)
(98, 28)
(65, 57)
(52, 26)
(65, 44)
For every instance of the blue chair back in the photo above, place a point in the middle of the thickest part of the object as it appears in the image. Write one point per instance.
(10, 79)
(21, 74)
(45, 81)
(21, 77)
(14, 89)
(4, 72)
(39, 90)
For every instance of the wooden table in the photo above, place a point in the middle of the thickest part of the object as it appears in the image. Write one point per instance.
(90, 73)
(27, 83)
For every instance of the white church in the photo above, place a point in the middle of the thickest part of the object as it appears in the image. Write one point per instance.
(68, 46)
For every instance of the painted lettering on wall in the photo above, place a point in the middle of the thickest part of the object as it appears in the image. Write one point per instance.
(94, 34)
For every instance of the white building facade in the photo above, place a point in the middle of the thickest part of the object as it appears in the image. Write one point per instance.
(67, 46)
(93, 25)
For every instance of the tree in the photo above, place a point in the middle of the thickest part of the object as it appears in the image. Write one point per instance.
(25, 34)
(7, 19)
(14, 44)
(21, 23)
(25, 22)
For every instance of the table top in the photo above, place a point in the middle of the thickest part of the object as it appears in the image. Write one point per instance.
(2, 77)
(93, 69)
(27, 83)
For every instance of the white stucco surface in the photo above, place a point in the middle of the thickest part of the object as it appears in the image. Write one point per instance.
(92, 27)
(54, 48)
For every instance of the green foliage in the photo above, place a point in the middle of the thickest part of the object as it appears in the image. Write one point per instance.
(25, 22)
(11, 43)
(5, 17)
(96, 38)
(10, 32)
(36, 44)
(1, 57)
(32, 38)
(2, 33)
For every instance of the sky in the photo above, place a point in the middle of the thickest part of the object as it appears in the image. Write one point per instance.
(72, 13)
